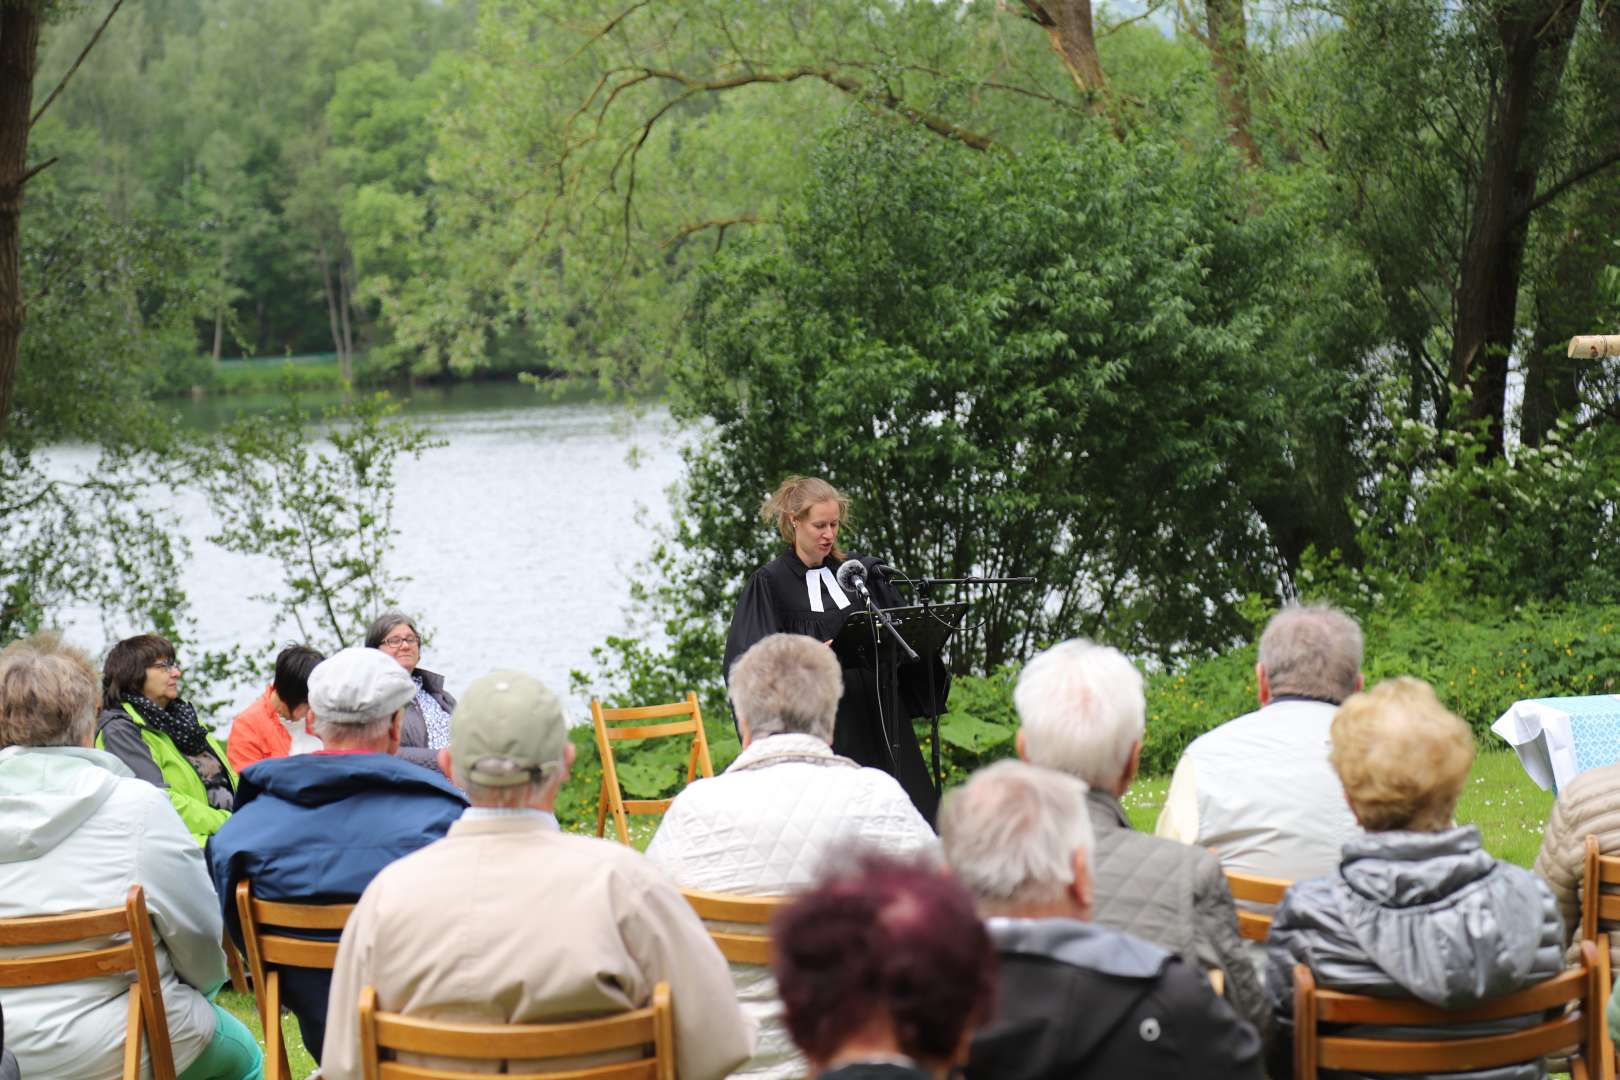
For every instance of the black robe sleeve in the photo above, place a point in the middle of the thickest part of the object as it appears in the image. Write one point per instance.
(756, 617)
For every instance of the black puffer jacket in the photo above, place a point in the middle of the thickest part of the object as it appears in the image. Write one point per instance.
(1424, 915)
(1078, 1000)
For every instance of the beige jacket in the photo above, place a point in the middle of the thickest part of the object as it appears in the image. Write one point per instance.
(506, 920)
(1589, 804)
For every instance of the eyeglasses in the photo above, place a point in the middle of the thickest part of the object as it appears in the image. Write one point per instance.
(400, 642)
(166, 665)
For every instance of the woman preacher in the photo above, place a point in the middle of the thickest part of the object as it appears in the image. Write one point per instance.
(798, 593)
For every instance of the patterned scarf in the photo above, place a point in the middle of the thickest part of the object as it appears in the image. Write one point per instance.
(179, 722)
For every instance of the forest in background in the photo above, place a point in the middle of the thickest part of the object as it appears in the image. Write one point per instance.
(1185, 310)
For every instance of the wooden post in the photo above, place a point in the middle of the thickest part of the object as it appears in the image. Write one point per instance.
(1594, 346)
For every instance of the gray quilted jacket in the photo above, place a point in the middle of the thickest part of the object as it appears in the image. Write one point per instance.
(1425, 915)
(1175, 896)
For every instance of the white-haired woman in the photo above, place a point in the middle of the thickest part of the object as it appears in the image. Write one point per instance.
(1417, 908)
(798, 593)
(80, 830)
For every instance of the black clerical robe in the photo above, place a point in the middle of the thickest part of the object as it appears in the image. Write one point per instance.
(776, 599)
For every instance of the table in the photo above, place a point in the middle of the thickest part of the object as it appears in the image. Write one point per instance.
(1556, 738)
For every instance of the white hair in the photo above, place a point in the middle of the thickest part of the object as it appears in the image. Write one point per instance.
(1011, 832)
(333, 731)
(1082, 709)
(787, 683)
(1312, 651)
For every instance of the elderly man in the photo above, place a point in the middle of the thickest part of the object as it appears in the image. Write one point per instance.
(509, 920)
(1076, 998)
(316, 828)
(1081, 711)
(765, 826)
(79, 831)
(1259, 789)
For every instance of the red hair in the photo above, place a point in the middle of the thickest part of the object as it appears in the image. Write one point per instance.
(896, 939)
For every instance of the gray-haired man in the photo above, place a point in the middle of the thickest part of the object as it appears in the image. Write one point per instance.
(1259, 789)
(1075, 998)
(509, 920)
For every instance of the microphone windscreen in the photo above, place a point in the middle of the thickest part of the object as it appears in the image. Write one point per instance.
(849, 572)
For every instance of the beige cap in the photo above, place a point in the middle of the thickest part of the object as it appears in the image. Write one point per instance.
(358, 686)
(506, 727)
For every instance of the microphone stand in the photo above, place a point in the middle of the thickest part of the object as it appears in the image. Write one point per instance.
(883, 617)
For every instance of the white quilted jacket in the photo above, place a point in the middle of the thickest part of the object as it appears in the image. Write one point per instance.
(763, 828)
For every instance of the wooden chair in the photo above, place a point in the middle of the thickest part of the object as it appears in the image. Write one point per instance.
(1255, 925)
(612, 796)
(1576, 1031)
(650, 1030)
(233, 966)
(1600, 912)
(267, 950)
(738, 946)
(137, 955)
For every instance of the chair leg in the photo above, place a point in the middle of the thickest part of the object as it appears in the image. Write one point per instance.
(233, 964)
(601, 808)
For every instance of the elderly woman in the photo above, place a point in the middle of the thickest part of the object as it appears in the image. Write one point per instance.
(148, 726)
(79, 832)
(1417, 907)
(884, 972)
(426, 727)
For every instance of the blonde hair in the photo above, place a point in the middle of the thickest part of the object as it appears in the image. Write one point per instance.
(1401, 756)
(797, 494)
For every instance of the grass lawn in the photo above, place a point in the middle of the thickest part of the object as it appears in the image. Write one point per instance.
(1506, 805)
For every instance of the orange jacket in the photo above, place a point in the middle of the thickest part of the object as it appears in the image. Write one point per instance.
(257, 733)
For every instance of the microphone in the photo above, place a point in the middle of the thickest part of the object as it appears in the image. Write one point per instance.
(852, 577)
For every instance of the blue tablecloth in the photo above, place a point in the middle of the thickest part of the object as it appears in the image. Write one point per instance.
(1556, 738)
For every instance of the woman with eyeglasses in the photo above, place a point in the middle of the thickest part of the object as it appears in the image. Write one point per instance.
(148, 726)
(425, 729)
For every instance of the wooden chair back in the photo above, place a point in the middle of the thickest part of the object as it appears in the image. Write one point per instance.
(611, 799)
(1570, 997)
(650, 1030)
(1600, 913)
(738, 946)
(136, 955)
(1255, 889)
(269, 949)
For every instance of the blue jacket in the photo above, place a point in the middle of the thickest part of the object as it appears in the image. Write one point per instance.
(317, 828)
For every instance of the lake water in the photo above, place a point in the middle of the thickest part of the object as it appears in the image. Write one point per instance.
(520, 535)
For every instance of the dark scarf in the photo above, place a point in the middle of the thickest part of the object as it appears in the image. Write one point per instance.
(179, 722)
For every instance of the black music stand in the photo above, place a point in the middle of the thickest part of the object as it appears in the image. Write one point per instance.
(926, 627)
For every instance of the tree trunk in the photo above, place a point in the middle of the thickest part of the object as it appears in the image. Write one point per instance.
(1229, 55)
(1535, 44)
(1069, 27)
(332, 301)
(345, 306)
(19, 49)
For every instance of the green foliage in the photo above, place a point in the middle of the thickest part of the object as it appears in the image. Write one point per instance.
(320, 502)
(1045, 365)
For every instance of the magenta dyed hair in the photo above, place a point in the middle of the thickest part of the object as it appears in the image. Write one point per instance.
(891, 938)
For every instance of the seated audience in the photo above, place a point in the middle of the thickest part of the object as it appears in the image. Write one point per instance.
(1589, 805)
(1417, 908)
(1081, 711)
(764, 827)
(426, 729)
(317, 828)
(508, 920)
(147, 725)
(79, 831)
(277, 723)
(884, 969)
(1258, 789)
(1076, 999)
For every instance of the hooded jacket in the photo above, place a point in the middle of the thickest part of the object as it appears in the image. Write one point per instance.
(79, 831)
(1081, 1000)
(315, 829)
(1410, 914)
